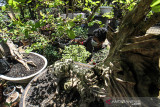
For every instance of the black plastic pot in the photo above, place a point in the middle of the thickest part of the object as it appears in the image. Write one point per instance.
(104, 21)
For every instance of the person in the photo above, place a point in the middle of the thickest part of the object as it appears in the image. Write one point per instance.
(94, 43)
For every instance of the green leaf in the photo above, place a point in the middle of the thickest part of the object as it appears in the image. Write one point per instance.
(3, 8)
(26, 33)
(90, 23)
(37, 24)
(13, 3)
(71, 24)
(42, 24)
(29, 1)
(70, 34)
(28, 50)
(156, 8)
(127, 1)
(87, 9)
(61, 28)
(22, 1)
(34, 29)
(43, 15)
(155, 2)
(31, 22)
(97, 2)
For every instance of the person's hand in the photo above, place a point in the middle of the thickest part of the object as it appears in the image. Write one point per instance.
(76, 41)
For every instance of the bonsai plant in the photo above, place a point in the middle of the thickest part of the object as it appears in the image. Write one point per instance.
(130, 70)
(29, 64)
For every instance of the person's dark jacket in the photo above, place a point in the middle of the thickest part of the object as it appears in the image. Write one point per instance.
(90, 48)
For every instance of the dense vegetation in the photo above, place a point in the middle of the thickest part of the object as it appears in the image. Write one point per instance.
(132, 66)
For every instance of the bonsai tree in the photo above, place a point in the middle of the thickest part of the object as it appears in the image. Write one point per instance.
(131, 68)
(9, 49)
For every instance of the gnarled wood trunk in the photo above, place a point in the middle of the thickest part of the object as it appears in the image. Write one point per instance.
(8, 49)
(132, 66)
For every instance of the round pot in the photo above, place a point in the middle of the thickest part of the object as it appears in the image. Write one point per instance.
(70, 15)
(41, 89)
(26, 79)
(13, 97)
(105, 9)
(83, 15)
(29, 86)
(9, 90)
(63, 16)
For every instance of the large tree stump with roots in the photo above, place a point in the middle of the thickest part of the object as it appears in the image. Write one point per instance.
(132, 66)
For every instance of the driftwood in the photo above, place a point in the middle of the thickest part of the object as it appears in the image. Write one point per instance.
(8, 49)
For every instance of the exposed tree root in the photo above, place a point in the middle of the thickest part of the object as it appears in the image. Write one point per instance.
(90, 85)
(14, 53)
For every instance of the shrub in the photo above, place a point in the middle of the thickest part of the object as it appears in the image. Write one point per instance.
(77, 53)
(51, 53)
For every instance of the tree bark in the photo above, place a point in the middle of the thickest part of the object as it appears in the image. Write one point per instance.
(139, 58)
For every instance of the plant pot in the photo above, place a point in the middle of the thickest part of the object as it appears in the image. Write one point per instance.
(72, 15)
(26, 79)
(63, 16)
(83, 15)
(9, 90)
(28, 89)
(41, 89)
(104, 21)
(13, 97)
(105, 9)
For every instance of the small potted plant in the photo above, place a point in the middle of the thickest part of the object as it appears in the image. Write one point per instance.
(105, 9)
(11, 94)
(20, 67)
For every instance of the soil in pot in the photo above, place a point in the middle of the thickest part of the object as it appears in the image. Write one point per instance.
(18, 70)
(41, 92)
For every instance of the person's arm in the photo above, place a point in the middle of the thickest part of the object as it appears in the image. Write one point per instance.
(76, 41)
(86, 41)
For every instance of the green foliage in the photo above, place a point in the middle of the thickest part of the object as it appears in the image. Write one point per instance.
(77, 53)
(108, 15)
(88, 5)
(100, 55)
(26, 27)
(93, 22)
(124, 5)
(155, 3)
(39, 43)
(51, 53)
(81, 32)
(155, 6)
(3, 20)
(26, 30)
(23, 29)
